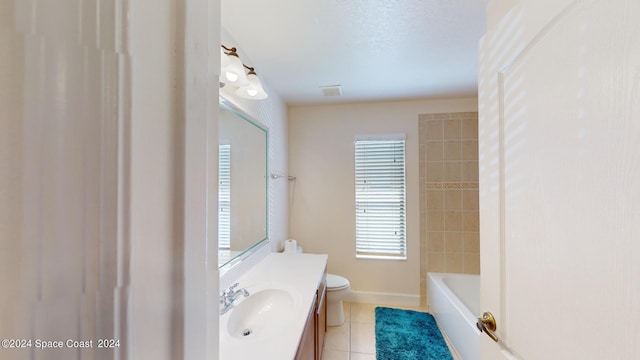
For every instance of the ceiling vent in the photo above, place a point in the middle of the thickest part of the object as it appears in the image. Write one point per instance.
(332, 90)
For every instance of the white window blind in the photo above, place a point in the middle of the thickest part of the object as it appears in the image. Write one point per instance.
(224, 197)
(380, 199)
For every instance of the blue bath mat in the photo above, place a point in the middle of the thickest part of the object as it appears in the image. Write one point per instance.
(408, 335)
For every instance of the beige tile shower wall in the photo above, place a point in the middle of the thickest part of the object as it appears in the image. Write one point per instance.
(449, 232)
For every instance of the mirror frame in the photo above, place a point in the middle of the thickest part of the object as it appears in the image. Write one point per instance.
(227, 105)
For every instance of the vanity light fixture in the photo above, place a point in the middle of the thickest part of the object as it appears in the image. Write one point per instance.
(253, 90)
(232, 72)
(232, 69)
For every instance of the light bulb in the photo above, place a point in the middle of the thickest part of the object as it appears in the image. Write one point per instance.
(253, 90)
(233, 77)
(233, 71)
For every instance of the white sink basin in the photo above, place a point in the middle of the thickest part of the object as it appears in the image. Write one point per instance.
(261, 313)
(282, 288)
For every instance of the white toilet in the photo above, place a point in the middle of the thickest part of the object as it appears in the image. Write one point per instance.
(337, 288)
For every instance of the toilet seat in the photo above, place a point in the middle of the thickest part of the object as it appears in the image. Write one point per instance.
(336, 282)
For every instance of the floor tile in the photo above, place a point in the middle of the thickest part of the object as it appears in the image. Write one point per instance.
(337, 337)
(347, 310)
(363, 313)
(335, 355)
(361, 356)
(355, 339)
(363, 338)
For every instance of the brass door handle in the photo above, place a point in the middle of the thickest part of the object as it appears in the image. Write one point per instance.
(487, 324)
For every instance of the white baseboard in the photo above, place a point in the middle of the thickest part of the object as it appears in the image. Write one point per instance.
(383, 298)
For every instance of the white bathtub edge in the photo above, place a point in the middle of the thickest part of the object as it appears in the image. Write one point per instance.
(456, 322)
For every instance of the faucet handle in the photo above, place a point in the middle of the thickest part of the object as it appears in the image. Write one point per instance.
(228, 292)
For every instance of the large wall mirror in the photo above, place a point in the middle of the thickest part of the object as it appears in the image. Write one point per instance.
(242, 184)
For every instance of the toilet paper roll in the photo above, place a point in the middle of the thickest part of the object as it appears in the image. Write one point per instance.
(290, 246)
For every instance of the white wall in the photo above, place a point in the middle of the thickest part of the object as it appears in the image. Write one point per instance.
(174, 130)
(198, 38)
(322, 211)
(273, 112)
(152, 206)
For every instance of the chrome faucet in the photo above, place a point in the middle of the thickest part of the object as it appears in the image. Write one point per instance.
(230, 296)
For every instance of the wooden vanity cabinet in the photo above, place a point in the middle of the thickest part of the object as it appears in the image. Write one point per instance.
(307, 348)
(321, 316)
(312, 340)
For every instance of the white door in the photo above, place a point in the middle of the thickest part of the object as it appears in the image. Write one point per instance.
(559, 99)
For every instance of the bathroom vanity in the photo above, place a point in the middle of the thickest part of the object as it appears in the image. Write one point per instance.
(284, 315)
(312, 340)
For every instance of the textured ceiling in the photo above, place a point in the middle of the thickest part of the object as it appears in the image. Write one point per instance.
(375, 49)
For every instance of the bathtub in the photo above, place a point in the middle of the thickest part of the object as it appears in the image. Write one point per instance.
(454, 300)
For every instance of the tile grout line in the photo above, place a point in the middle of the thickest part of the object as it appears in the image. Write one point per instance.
(350, 347)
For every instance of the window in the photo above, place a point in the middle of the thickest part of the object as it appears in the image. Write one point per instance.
(380, 199)
(224, 197)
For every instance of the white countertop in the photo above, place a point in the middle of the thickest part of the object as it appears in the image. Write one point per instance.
(299, 273)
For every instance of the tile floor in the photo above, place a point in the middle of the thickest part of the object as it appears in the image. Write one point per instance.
(356, 338)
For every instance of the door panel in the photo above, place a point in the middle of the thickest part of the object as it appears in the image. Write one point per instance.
(560, 169)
